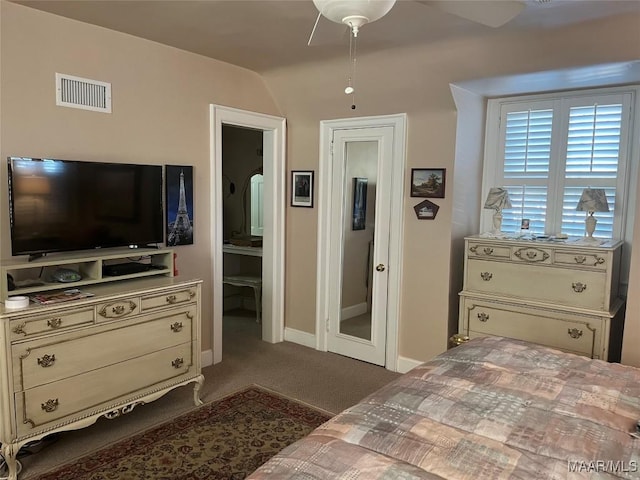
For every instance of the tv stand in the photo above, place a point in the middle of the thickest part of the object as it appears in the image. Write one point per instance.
(33, 275)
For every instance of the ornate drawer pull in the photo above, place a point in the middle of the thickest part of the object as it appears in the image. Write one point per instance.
(19, 329)
(574, 333)
(483, 317)
(192, 294)
(486, 276)
(579, 287)
(47, 361)
(485, 250)
(54, 322)
(177, 363)
(171, 299)
(50, 405)
(117, 310)
(176, 327)
(531, 254)
(582, 259)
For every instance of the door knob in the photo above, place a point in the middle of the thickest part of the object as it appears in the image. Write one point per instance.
(380, 267)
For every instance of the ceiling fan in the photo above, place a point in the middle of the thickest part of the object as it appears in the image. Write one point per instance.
(356, 13)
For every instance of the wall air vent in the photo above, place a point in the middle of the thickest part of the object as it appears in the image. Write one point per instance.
(76, 92)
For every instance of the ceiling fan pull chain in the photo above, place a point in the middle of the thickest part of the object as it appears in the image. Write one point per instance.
(350, 90)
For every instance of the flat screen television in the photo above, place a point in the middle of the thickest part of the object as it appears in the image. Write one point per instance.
(63, 205)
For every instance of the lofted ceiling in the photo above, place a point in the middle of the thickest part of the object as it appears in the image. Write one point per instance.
(266, 34)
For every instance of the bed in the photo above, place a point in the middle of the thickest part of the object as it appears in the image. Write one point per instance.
(488, 409)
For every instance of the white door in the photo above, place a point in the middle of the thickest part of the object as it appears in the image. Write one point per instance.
(360, 207)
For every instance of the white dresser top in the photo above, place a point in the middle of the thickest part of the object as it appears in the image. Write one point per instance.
(548, 241)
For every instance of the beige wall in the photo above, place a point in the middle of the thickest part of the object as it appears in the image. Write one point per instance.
(416, 81)
(161, 99)
(631, 338)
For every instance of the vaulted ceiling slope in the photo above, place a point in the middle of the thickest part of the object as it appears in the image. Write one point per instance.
(262, 35)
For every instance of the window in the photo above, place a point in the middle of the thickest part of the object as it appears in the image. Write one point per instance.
(546, 149)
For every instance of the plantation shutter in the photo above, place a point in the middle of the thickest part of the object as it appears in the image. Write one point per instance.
(593, 149)
(527, 155)
(547, 150)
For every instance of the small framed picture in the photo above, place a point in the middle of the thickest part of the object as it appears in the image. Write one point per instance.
(428, 182)
(524, 225)
(302, 188)
(426, 210)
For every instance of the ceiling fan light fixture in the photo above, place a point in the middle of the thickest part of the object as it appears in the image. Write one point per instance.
(354, 13)
(355, 22)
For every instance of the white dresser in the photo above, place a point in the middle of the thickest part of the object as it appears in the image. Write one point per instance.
(560, 294)
(65, 365)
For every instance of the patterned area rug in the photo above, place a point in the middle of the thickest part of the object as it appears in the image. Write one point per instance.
(227, 439)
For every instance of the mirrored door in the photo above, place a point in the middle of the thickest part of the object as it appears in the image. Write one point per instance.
(360, 242)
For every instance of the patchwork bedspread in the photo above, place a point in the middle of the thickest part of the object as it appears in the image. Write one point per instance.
(489, 409)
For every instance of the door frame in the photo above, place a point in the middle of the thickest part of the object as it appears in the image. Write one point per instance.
(396, 235)
(274, 143)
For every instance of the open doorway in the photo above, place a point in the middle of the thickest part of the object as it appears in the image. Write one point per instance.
(273, 202)
(243, 229)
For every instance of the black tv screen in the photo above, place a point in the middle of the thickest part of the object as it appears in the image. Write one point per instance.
(62, 205)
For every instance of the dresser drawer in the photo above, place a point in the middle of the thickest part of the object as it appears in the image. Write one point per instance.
(572, 333)
(47, 403)
(49, 360)
(59, 321)
(583, 259)
(577, 288)
(174, 297)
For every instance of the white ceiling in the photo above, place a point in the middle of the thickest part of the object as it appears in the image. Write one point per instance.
(266, 34)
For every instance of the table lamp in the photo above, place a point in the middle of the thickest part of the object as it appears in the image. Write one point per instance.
(497, 199)
(592, 200)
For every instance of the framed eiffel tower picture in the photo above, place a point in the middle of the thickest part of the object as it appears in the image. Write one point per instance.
(179, 204)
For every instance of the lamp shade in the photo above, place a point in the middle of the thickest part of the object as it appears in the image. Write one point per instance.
(354, 12)
(497, 199)
(593, 200)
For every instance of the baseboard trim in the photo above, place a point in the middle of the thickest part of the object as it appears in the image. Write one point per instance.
(405, 364)
(206, 357)
(309, 340)
(353, 311)
(298, 336)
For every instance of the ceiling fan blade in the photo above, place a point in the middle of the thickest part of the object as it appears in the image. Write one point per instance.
(493, 13)
(326, 32)
(314, 28)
